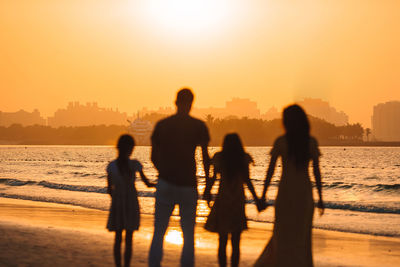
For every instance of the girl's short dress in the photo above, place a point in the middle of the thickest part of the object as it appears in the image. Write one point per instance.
(227, 215)
(124, 211)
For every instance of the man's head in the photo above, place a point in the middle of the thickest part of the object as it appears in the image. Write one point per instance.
(184, 100)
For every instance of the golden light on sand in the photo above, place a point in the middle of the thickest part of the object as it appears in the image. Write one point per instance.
(202, 211)
(174, 237)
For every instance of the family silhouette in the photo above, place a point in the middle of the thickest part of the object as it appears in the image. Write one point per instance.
(174, 141)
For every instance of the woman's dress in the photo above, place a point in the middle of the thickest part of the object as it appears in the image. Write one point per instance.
(124, 211)
(227, 215)
(290, 244)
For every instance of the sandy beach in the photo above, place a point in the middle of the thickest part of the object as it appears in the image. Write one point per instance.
(48, 234)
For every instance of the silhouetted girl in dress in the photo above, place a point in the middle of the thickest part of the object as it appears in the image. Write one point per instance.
(227, 215)
(124, 210)
(290, 244)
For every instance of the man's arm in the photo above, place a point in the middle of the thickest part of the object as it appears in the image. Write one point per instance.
(155, 152)
(206, 161)
(203, 141)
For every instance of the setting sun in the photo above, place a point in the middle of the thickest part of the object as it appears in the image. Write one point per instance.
(188, 18)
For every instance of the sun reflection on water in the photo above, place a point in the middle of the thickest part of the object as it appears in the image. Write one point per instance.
(174, 237)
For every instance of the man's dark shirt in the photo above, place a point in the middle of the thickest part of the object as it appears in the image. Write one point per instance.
(174, 142)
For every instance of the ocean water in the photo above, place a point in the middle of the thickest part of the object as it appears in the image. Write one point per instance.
(361, 185)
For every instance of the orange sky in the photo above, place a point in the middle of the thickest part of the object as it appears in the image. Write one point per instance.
(135, 53)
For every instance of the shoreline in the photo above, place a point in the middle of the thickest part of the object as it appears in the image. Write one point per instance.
(321, 144)
(43, 234)
(201, 219)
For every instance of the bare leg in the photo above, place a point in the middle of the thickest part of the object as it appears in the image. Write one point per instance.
(128, 247)
(223, 240)
(235, 240)
(117, 248)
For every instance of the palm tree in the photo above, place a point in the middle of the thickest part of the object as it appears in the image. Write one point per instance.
(209, 119)
(367, 133)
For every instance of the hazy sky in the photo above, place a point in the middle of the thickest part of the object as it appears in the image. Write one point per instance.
(131, 54)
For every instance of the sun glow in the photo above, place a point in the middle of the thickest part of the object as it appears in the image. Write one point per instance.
(174, 237)
(189, 17)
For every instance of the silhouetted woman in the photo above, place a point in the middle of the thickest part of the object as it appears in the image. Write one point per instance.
(290, 244)
(227, 215)
(124, 210)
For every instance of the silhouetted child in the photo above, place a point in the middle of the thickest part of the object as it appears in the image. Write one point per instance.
(227, 215)
(124, 210)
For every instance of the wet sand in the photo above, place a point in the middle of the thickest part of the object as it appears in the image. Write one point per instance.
(47, 234)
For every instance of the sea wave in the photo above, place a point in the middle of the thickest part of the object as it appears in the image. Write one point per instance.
(331, 227)
(347, 206)
(78, 188)
(373, 187)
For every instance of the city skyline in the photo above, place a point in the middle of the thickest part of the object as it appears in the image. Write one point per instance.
(133, 54)
(91, 113)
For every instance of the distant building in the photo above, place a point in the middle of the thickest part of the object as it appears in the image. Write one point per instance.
(86, 115)
(237, 107)
(386, 121)
(141, 130)
(321, 109)
(271, 114)
(21, 117)
(242, 107)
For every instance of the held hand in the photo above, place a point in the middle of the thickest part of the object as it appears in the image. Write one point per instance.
(207, 197)
(261, 204)
(321, 207)
(150, 184)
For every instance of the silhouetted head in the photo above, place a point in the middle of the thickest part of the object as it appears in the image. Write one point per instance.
(184, 100)
(297, 130)
(125, 145)
(233, 155)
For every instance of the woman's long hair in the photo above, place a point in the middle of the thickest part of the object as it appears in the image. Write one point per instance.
(297, 130)
(233, 156)
(125, 147)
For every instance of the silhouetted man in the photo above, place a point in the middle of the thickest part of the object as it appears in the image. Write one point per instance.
(174, 142)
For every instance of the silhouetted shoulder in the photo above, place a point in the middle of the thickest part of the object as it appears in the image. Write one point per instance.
(216, 161)
(158, 127)
(202, 130)
(279, 145)
(248, 158)
(314, 149)
(165, 120)
(313, 141)
(111, 166)
(136, 165)
(160, 124)
(176, 117)
(177, 128)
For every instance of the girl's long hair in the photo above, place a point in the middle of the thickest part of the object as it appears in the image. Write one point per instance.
(125, 147)
(297, 130)
(233, 156)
